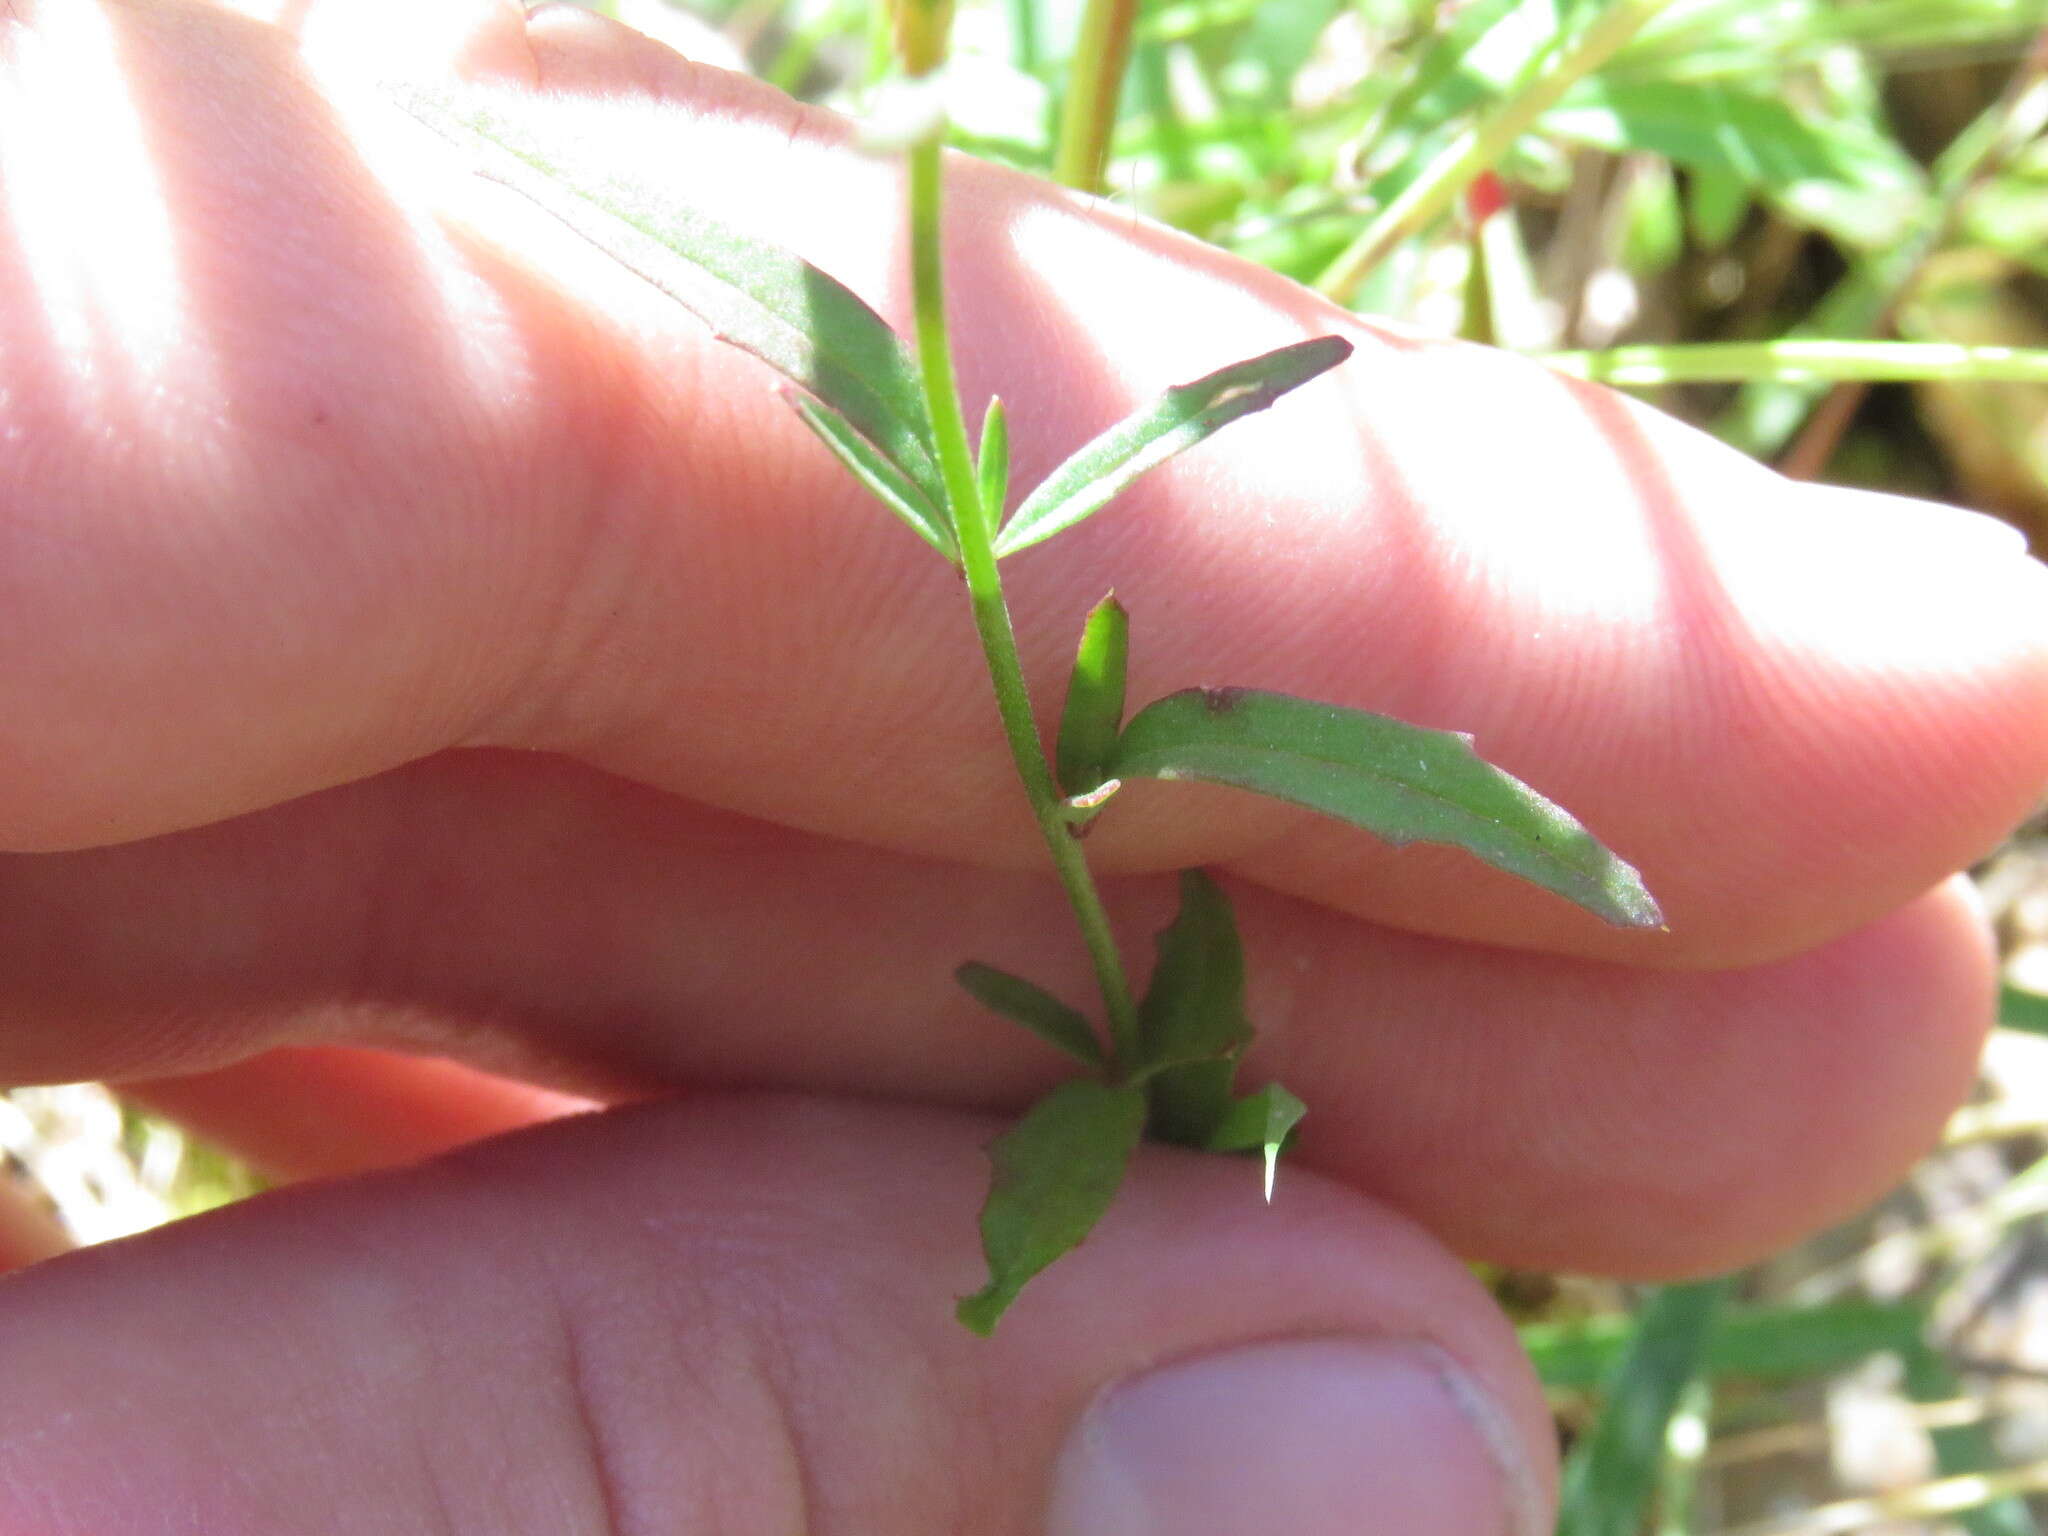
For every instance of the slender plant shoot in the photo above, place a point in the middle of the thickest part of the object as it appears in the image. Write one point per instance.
(1163, 1065)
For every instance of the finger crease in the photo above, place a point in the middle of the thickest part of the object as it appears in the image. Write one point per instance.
(597, 1452)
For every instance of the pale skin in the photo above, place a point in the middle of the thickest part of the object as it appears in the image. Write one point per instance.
(412, 633)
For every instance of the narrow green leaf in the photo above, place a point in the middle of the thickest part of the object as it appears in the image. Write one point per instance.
(993, 467)
(1194, 1005)
(1033, 1007)
(1056, 1171)
(1095, 699)
(1259, 1120)
(882, 479)
(758, 297)
(1182, 417)
(1403, 782)
(1612, 1471)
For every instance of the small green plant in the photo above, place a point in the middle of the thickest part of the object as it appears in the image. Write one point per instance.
(1164, 1064)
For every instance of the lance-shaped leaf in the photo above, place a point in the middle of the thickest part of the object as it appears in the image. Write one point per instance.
(1183, 416)
(1033, 1007)
(1056, 1171)
(881, 478)
(1095, 699)
(1403, 782)
(992, 463)
(1193, 1009)
(1259, 1121)
(760, 298)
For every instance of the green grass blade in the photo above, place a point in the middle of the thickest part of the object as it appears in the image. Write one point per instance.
(1037, 1010)
(1685, 1449)
(881, 478)
(1056, 1171)
(1612, 1474)
(1183, 417)
(754, 295)
(1402, 782)
(1094, 709)
(1764, 1344)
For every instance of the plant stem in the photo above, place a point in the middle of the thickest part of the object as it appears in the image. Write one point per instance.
(1089, 117)
(1481, 147)
(1742, 361)
(991, 613)
(1024, 35)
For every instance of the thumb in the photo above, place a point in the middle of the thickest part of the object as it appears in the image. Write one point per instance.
(735, 1315)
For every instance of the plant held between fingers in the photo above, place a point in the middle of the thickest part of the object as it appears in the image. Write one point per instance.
(1164, 1063)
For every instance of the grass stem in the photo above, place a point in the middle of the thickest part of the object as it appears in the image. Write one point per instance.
(1723, 362)
(1089, 117)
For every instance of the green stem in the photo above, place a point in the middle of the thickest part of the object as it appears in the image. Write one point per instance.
(1089, 117)
(1024, 35)
(1430, 195)
(991, 614)
(1748, 361)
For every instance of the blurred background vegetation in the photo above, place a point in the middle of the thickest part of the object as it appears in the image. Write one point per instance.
(1817, 228)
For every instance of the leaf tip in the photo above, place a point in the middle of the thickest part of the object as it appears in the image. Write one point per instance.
(1336, 348)
(981, 1312)
(1632, 904)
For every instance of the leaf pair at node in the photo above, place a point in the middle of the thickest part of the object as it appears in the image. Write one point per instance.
(1055, 1171)
(1095, 474)
(1058, 1168)
(858, 388)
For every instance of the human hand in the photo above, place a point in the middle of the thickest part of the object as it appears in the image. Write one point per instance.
(413, 634)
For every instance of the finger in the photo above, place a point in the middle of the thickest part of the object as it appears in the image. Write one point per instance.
(633, 50)
(402, 39)
(29, 1230)
(329, 1111)
(737, 1316)
(511, 498)
(545, 919)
